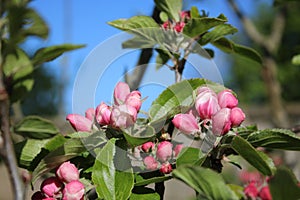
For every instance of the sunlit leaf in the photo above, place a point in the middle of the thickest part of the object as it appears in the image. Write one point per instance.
(171, 7)
(296, 60)
(217, 33)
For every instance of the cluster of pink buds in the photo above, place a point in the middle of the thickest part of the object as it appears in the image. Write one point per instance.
(220, 110)
(121, 114)
(159, 156)
(65, 185)
(177, 26)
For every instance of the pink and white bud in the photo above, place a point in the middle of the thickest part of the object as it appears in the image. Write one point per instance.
(186, 123)
(38, 196)
(206, 103)
(67, 172)
(123, 116)
(265, 193)
(148, 147)
(51, 186)
(237, 116)
(227, 99)
(164, 151)
(79, 123)
(166, 25)
(73, 191)
(179, 27)
(121, 91)
(90, 114)
(103, 114)
(134, 100)
(177, 149)
(150, 163)
(166, 168)
(185, 14)
(251, 191)
(221, 122)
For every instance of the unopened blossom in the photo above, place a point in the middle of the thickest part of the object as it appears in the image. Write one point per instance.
(206, 103)
(79, 122)
(237, 116)
(221, 122)
(73, 191)
(247, 176)
(90, 114)
(265, 193)
(185, 14)
(186, 123)
(251, 190)
(134, 100)
(51, 186)
(67, 172)
(226, 99)
(179, 27)
(148, 146)
(150, 163)
(121, 91)
(123, 116)
(164, 151)
(177, 149)
(103, 114)
(166, 168)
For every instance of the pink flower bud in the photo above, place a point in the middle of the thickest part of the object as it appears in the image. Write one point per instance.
(51, 186)
(148, 146)
(150, 163)
(123, 116)
(166, 168)
(90, 114)
(134, 100)
(67, 172)
(177, 149)
(237, 116)
(206, 103)
(185, 14)
(73, 191)
(166, 25)
(264, 193)
(164, 151)
(221, 122)
(121, 91)
(186, 123)
(179, 27)
(79, 123)
(247, 177)
(103, 114)
(38, 196)
(251, 190)
(227, 99)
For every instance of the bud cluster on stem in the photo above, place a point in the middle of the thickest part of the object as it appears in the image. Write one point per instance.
(177, 26)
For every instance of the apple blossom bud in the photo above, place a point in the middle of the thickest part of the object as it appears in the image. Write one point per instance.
(121, 91)
(166, 168)
(90, 114)
(264, 193)
(73, 191)
(67, 172)
(179, 27)
(103, 114)
(251, 190)
(134, 100)
(221, 122)
(150, 163)
(148, 146)
(164, 151)
(185, 14)
(186, 123)
(38, 196)
(206, 103)
(51, 186)
(247, 177)
(166, 25)
(123, 116)
(227, 99)
(79, 123)
(237, 116)
(177, 149)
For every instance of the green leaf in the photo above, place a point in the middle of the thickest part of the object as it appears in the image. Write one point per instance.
(140, 181)
(163, 16)
(178, 98)
(229, 46)
(296, 59)
(144, 194)
(137, 135)
(217, 33)
(195, 12)
(162, 58)
(275, 139)
(237, 189)
(284, 185)
(111, 183)
(257, 159)
(188, 155)
(138, 42)
(171, 7)
(50, 53)
(206, 182)
(36, 127)
(198, 26)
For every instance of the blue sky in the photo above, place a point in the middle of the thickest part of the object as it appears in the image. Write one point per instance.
(85, 22)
